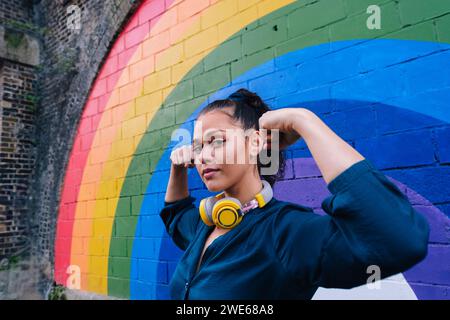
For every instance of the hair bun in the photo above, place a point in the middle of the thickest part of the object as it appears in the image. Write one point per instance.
(248, 97)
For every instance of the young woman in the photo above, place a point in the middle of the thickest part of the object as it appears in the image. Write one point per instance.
(282, 250)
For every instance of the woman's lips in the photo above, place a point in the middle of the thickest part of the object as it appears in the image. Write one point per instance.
(210, 174)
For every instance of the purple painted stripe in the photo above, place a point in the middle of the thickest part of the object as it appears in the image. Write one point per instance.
(306, 168)
(309, 189)
(434, 269)
(431, 292)
(308, 192)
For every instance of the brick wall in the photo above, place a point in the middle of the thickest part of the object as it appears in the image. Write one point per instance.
(18, 106)
(17, 152)
(19, 56)
(16, 12)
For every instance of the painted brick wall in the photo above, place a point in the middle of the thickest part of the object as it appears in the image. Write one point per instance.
(384, 90)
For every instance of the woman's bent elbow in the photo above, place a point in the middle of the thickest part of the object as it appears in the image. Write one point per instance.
(417, 248)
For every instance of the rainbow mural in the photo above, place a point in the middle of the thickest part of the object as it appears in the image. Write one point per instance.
(371, 86)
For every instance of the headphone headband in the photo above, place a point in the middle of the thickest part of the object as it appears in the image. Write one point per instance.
(227, 212)
(262, 197)
(265, 195)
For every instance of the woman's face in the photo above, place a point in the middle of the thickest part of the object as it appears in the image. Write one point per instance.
(222, 153)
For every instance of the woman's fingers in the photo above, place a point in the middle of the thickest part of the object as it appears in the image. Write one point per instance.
(270, 138)
(187, 156)
(280, 140)
(264, 137)
(174, 157)
(279, 120)
(263, 122)
(182, 156)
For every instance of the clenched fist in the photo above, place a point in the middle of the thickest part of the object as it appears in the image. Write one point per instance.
(282, 120)
(182, 157)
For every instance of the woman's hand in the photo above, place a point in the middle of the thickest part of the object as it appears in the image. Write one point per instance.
(283, 120)
(332, 154)
(182, 157)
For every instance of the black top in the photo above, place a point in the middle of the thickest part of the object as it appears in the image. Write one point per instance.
(286, 251)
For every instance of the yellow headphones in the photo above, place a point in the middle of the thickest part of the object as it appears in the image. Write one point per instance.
(227, 212)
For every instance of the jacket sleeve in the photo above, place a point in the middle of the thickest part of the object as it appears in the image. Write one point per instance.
(369, 222)
(181, 219)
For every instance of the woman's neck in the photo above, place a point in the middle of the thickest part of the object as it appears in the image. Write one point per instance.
(246, 189)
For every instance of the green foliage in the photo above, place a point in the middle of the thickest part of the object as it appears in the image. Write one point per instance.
(14, 38)
(25, 27)
(57, 292)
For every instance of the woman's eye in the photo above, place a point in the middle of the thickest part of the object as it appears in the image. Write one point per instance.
(197, 149)
(218, 142)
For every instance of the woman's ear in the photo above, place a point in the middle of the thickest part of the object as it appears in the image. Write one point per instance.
(256, 142)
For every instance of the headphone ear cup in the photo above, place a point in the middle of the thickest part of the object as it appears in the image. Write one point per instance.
(226, 212)
(206, 207)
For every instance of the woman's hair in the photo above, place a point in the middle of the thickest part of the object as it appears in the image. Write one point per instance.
(248, 108)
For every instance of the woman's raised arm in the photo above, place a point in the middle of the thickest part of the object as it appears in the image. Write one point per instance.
(177, 187)
(332, 154)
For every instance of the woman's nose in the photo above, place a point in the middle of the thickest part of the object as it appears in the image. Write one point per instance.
(207, 155)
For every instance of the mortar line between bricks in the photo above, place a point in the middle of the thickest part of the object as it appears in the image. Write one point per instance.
(439, 244)
(413, 130)
(418, 57)
(423, 166)
(440, 203)
(360, 41)
(344, 79)
(430, 283)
